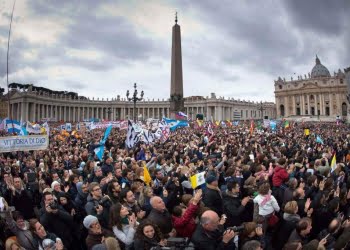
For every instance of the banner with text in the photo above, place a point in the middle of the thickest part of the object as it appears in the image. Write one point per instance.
(23, 143)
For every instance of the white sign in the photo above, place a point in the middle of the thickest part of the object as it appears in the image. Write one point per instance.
(23, 143)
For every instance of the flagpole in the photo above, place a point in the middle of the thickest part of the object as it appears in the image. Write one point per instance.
(7, 64)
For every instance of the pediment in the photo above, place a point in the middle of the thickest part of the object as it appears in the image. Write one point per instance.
(309, 85)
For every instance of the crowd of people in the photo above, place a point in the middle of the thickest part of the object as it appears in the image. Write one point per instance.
(263, 190)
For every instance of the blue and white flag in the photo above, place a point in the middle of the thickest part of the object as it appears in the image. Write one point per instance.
(13, 126)
(174, 124)
(273, 125)
(100, 149)
(23, 131)
(69, 127)
(107, 132)
(319, 139)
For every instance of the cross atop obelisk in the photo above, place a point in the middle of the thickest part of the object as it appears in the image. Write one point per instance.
(176, 90)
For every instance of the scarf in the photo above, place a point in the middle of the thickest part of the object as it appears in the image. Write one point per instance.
(125, 221)
(266, 199)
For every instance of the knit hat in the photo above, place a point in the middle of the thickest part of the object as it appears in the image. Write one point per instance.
(210, 179)
(88, 220)
(54, 183)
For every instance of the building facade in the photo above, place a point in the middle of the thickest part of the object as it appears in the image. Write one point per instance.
(316, 95)
(31, 103)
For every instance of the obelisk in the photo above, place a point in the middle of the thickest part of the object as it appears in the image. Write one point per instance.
(176, 89)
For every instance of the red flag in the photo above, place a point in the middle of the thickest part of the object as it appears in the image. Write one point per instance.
(251, 127)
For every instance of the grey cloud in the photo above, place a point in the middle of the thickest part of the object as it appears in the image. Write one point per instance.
(275, 41)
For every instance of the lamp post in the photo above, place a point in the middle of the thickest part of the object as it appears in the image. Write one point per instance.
(134, 99)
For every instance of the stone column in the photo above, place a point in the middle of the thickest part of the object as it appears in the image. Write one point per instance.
(331, 113)
(339, 105)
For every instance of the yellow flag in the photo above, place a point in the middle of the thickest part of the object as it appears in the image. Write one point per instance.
(307, 131)
(146, 176)
(333, 163)
(197, 180)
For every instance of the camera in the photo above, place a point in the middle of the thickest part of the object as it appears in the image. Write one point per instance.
(178, 243)
(104, 202)
(237, 229)
(53, 205)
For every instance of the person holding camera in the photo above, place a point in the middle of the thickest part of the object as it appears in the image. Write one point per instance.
(98, 205)
(42, 239)
(57, 221)
(210, 234)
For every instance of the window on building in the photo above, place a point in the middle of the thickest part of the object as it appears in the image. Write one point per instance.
(344, 109)
(327, 111)
(298, 111)
(282, 110)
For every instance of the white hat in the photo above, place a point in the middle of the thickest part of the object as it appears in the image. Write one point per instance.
(88, 220)
(54, 183)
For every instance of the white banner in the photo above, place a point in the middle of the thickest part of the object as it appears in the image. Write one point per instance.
(23, 143)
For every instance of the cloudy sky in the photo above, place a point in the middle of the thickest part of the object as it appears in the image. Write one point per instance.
(233, 48)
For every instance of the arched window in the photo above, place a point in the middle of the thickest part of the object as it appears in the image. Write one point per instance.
(344, 109)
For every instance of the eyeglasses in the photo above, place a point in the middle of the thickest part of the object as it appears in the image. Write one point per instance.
(96, 189)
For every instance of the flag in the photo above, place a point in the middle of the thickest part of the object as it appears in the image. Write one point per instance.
(319, 139)
(200, 123)
(69, 127)
(210, 129)
(197, 180)
(273, 125)
(180, 116)
(174, 124)
(99, 151)
(266, 123)
(333, 163)
(251, 127)
(286, 124)
(13, 126)
(107, 132)
(77, 127)
(47, 128)
(228, 123)
(3, 124)
(131, 137)
(146, 176)
(306, 131)
(23, 131)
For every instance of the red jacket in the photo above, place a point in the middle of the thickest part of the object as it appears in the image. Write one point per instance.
(185, 225)
(280, 176)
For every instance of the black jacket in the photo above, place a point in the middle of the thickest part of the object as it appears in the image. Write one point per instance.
(212, 199)
(209, 240)
(61, 224)
(233, 210)
(162, 220)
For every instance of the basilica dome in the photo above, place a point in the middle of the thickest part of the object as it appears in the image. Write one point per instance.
(319, 70)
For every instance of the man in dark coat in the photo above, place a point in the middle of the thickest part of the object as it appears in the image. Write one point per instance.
(234, 206)
(160, 216)
(58, 221)
(212, 195)
(209, 235)
(21, 198)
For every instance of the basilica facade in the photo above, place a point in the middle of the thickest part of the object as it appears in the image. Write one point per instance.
(318, 95)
